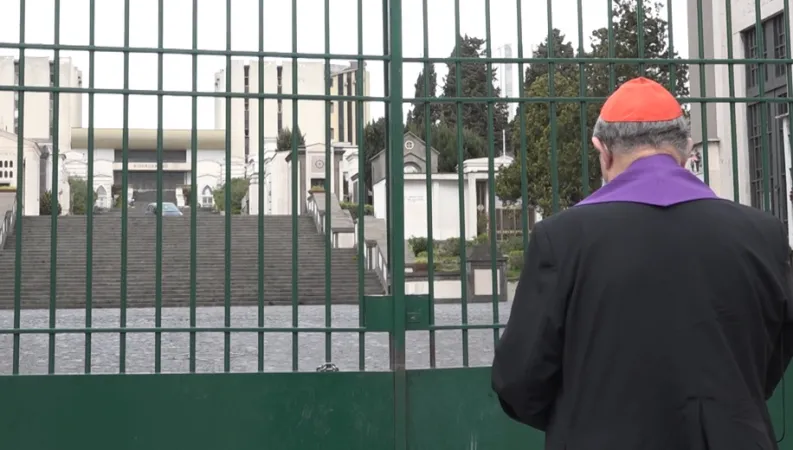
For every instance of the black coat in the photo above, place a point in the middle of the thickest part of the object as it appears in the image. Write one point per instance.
(641, 327)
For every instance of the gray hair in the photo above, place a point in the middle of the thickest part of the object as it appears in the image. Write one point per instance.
(624, 137)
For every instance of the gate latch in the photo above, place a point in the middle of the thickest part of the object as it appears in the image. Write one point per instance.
(379, 313)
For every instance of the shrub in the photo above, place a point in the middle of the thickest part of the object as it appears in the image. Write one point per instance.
(418, 244)
(368, 210)
(515, 260)
(78, 189)
(45, 204)
(239, 188)
(450, 247)
(482, 222)
(187, 192)
(511, 244)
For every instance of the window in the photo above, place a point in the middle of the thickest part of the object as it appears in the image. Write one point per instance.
(412, 168)
(763, 127)
(206, 197)
(101, 198)
(279, 75)
(778, 28)
(317, 182)
(247, 109)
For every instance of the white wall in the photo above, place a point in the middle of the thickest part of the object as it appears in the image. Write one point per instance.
(32, 159)
(445, 207)
(7, 97)
(279, 185)
(311, 114)
(37, 104)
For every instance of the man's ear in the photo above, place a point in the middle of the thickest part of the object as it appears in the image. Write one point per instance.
(606, 158)
(689, 148)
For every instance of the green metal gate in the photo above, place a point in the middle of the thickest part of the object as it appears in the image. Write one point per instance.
(434, 405)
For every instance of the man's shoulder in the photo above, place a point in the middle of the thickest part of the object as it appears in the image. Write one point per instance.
(720, 211)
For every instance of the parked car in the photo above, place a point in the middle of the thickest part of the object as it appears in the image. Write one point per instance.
(168, 209)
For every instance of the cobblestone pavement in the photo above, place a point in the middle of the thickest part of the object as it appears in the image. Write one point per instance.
(70, 348)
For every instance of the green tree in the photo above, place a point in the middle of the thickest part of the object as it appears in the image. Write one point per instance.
(538, 149)
(473, 83)
(562, 48)
(284, 140)
(508, 184)
(45, 204)
(374, 141)
(78, 188)
(568, 120)
(626, 45)
(443, 138)
(416, 116)
(239, 188)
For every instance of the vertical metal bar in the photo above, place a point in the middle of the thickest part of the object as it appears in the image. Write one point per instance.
(56, 106)
(122, 353)
(789, 84)
(387, 117)
(261, 189)
(228, 200)
(703, 93)
(524, 178)
(491, 170)
(736, 191)
(552, 114)
(359, 106)
(640, 26)
(158, 256)
(671, 31)
(20, 189)
(89, 225)
(460, 182)
(330, 159)
(295, 163)
(428, 157)
(397, 220)
(612, 72)
(194, 195)
(583, 113)
(761, 74)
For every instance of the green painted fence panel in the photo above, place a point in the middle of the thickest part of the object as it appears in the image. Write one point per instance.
(415, 400)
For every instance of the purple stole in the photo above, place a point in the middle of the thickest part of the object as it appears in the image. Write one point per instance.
(654, 180)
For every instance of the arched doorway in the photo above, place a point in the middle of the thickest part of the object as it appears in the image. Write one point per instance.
(206, 197)
(101, 198)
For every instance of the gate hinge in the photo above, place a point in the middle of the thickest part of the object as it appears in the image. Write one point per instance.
(379, 313)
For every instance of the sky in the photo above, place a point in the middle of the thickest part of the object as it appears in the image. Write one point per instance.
(109, 31)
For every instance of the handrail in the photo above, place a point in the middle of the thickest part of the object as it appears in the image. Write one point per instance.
(7, 226)
(381, 267)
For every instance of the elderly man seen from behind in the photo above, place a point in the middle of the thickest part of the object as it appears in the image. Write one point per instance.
(653, 315)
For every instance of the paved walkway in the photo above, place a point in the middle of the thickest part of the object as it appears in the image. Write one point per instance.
(70, 348)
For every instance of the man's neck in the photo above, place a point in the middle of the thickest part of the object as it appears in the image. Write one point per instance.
(622, 162)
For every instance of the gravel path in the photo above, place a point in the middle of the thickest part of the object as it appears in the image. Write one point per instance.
(70, 348)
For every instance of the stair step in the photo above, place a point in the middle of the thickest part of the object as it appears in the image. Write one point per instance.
(175, 250)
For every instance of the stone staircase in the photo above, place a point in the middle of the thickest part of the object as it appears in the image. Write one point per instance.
(210, 262)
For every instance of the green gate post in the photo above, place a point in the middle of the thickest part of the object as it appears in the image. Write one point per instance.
(20, 191)
(396, 217)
